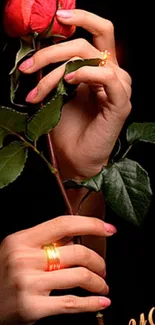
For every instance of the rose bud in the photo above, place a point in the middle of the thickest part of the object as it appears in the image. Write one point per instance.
(26, 17)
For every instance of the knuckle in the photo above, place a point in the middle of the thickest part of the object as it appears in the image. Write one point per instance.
(75, 58)
(20, 282)
(58, 221)
(83, 13)
(83, 45)
(69, 303)
(82, 254)
(9, 242)
(61, 221)
(12, 261)
(128, 78)
(25, 309)
(65, 223)
(42, 85)
(85, 275)
(125, 76)
(128, 108)
(111, 75)
(109, 27)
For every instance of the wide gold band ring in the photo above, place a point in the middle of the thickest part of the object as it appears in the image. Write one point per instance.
(53, 257)
(105, 54)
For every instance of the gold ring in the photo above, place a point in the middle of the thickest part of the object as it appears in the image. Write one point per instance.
(105, 56)
(53, 257)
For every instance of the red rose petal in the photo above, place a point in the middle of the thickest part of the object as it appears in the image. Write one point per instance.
(59, 28)
(42, 14)
(13, 19)
(22, 17)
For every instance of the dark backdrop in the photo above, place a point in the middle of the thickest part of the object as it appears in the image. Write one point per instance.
(130, 254)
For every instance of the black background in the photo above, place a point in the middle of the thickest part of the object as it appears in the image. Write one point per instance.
(130, 253)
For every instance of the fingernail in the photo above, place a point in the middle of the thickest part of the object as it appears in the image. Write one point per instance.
(33, 93)
(104, 302)
(70, 76)
(26, 64)
(64, 13)
(110, 228)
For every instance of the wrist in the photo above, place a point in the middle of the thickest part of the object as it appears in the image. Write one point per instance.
(78, 173)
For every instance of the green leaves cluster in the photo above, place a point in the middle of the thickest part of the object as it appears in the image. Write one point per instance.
(125, 184)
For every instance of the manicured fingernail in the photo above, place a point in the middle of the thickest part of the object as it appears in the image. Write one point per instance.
(104, 302)
(33, 93)
(26, 65)
(64, 13)
(70, 76)
(110, 228)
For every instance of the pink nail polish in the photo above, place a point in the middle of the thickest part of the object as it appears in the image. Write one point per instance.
(104, 302)
(26, 64)
(64, 13)
(33, 93)
(110, 228)
(69, 76)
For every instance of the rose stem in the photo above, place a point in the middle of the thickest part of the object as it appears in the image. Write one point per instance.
(52, 154)
(57, 175)
(100, 319)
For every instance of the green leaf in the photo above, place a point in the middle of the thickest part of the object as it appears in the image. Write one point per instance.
(12, 162)
(11, 120)
(24, 50)
(63, 87)
(95, 183)
(2, 137)
(59, 36)
(76, 64)
(126, 187)
(49, 115)
(45, 119)
(15, 79)
(141, 132)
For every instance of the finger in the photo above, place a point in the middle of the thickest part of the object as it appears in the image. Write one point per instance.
(51, 80)
(77, 255)
(45, 85)
(71, 278)
(60, 227)
(59, 53)
(47, 306)
(105, 77)
(102, 29)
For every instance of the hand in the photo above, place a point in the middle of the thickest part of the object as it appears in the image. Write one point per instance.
(91, 123)
(25, 284)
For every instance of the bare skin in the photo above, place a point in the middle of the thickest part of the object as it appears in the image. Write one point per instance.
(84, 140)
(25, 284)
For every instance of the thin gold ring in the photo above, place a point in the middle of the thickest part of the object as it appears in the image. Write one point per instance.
(105, 54)
(53, 257)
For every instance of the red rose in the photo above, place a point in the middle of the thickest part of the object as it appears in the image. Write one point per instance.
(24, 17)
